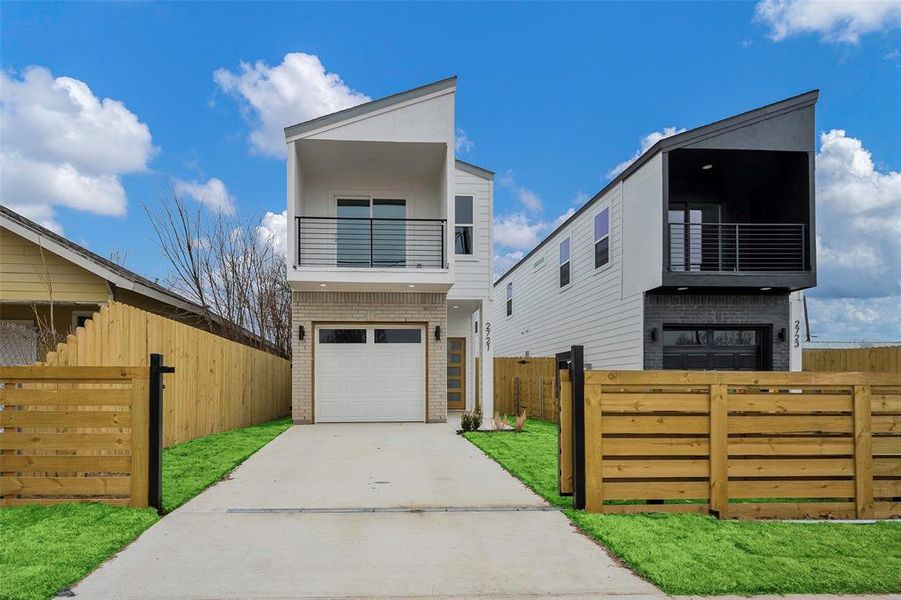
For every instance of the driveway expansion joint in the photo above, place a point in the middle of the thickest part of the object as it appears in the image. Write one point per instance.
(392, 509)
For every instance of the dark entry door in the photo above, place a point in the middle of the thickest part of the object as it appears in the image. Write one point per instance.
(715, 348)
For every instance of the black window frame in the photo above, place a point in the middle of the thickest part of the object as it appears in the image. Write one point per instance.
(510, 299)
(565, 268)
(380, 335)
(462, 228)
(344, 337)
(602, 243)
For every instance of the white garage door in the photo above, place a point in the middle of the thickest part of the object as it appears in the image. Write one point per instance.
(371, 373)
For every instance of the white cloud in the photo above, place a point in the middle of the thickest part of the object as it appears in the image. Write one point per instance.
(855, 319)
(559, 220)
(646, 143)
(527, 197)
(462, 143)
(213, 194)
(297, 90)
(517, 231)
(858, 222)
(502, 262)
(834, 20)
(273, 230)
(63, 146)
(580, 198)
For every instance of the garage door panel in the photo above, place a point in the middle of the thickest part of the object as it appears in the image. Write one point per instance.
(370, 381)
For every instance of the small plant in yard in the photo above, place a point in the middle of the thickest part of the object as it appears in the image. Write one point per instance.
(499, 423)
(520, 421)
(471, 421)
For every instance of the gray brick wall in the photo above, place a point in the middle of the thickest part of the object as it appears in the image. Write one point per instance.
(368, 307)
(715, 309)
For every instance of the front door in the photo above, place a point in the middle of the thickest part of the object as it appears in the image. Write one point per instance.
(456, 373)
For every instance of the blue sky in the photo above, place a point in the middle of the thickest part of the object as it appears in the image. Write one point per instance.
(551, 97)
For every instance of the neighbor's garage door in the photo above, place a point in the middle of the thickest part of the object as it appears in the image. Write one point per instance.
(713, 348)
(373, 373)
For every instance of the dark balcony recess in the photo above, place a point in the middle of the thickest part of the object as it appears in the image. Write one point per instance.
(737, 247)
(379, 243)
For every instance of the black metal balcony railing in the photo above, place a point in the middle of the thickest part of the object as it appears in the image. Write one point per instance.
(370, 242)
(737, 247)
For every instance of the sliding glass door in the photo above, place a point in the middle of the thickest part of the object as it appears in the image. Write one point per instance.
(371, 232)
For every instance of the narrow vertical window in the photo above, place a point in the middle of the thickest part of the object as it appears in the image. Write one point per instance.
(564, 262)
(463, 225)
(602, 238)
(510, 299)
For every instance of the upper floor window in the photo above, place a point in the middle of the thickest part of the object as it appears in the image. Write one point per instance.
(510, 299)
(463, 225)
(602, 238)
(564, 262)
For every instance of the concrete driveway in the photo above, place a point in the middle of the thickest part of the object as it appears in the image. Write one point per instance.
(363, 511)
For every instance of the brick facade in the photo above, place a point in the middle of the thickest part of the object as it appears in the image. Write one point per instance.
(308, 308)
(715, 309)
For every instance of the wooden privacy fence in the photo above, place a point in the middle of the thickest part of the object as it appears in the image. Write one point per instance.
(73, 434)
(886, 359)
(525, 383)
(739, 444)
(218, 384)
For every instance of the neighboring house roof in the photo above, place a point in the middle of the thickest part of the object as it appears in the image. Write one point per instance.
(475, 169)
(685, 138)
(367, 107)
(102, 267)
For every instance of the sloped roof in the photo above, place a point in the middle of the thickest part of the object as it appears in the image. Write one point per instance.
(102, 267)
(474, 169)
(678, 141)
(371, 106)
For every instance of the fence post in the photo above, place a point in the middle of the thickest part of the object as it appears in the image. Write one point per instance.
(593, 453)
(578, 383)
(139, 443)
(155, 421)
(863, 453)
(719, 449)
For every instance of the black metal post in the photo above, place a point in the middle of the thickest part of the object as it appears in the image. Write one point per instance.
(155, 476)
(578, 380)
(371, 264)
(562, 362)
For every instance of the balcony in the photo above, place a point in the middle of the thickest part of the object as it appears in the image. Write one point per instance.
(371, 243)
(730, 248)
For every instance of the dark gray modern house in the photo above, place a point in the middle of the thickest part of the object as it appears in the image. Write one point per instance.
(687, 259)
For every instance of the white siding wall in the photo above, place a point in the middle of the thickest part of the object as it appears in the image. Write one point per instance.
(472, 278)
(590, 311)
(643, 217)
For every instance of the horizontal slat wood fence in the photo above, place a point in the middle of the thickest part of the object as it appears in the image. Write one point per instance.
(743, 444)
(885, 360)
(218, 384)
(74, 434)
(525, 383)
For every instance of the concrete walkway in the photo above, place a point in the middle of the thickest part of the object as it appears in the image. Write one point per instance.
(473, 531)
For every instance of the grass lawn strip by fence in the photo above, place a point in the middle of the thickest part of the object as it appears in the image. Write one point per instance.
(697, 554)
(46, 548)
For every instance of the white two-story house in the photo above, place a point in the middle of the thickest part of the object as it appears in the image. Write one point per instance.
(692, 257)
(389, 262)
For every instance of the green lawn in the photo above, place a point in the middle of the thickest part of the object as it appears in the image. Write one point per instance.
(46, 548)
(695, 554)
